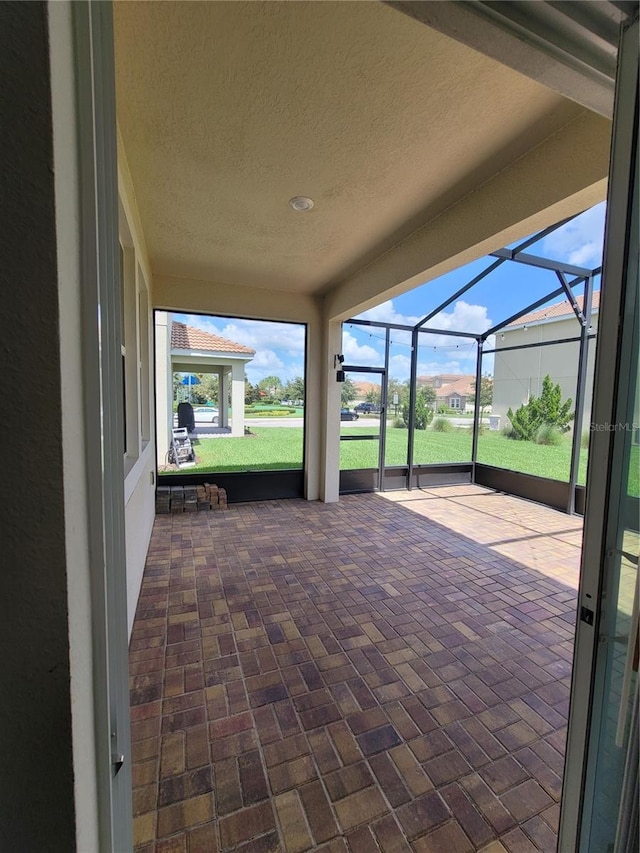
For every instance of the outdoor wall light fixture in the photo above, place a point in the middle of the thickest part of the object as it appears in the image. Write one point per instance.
(301, 203)
(337, 363)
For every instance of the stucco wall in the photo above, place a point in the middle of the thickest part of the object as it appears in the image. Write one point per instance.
(139, 485)
(139, 512)
(518, 374)
(37, 791)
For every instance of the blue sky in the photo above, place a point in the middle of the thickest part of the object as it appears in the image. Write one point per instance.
(280, 346)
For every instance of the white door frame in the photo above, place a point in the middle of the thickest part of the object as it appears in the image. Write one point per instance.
(102, 380)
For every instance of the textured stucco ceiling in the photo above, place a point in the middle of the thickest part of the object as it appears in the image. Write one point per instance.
(229, 109)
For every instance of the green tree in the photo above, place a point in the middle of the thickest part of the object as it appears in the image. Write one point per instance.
(429, 395)
(208, 387)
(554, 411)
(545, 410)
(401, 389)
(347, 392)
(486, 393)
(294, 389)
(251, 393)
(272, 386)
(373, 396)
(425, 398)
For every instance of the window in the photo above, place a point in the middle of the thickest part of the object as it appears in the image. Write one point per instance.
(123, 353)
(454, 402)
(238, 387)
(144, 358)
(135, 347)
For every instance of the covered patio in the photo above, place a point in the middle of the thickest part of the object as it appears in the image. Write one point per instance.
(388, 674)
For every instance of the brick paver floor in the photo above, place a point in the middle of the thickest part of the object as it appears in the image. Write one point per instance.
(387, 673)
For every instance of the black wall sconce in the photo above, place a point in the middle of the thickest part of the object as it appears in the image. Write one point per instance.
(337, 363)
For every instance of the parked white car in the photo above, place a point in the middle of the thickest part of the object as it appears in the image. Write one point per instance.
(205, 415)
(202, 415)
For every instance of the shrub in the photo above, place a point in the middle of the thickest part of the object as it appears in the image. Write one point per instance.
(549, 434)
(509, 432)
(269, 413)
(423, 412)
(545, 409)
(442, 425)
(398, 423)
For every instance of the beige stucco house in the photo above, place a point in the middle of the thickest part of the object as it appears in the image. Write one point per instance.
(453, 390)
(518, 374)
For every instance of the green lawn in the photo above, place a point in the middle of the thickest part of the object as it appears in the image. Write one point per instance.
(269, 449)
(280, 448)
(455, 446)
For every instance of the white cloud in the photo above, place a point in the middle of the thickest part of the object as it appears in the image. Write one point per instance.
(449, 354)
(268, 363)
(355, 353)
(580, 241)
(386, 313)
(433, 368)
(258, 334)
(400, 367)
(463, 318)
(266, 360)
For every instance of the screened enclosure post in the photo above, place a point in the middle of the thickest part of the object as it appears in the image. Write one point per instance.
(583, 355)
(384, 398)
(476, 411)
(412, 405)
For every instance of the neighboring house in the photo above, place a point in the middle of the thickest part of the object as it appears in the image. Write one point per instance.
(453, 390)
(518, 374)
(193, 350)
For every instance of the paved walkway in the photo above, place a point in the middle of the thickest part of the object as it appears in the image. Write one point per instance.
(386, 674)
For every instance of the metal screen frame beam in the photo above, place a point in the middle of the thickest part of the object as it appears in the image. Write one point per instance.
(578, 417)
(573, 283)
(525, 244)
(531, 307)
(540, 263)
(516, 255)
(569, 293)
(538, 344)
(413, 375)
(476, 411)
(379, 324)
(430, 331)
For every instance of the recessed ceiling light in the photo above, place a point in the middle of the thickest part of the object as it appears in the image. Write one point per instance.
(301, 203)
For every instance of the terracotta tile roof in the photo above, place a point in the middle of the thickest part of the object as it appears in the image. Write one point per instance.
(188, 337)
(463, 386)
(363, 388)
(560, 309)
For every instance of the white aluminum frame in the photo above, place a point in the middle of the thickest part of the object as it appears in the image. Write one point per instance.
(603, 477)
